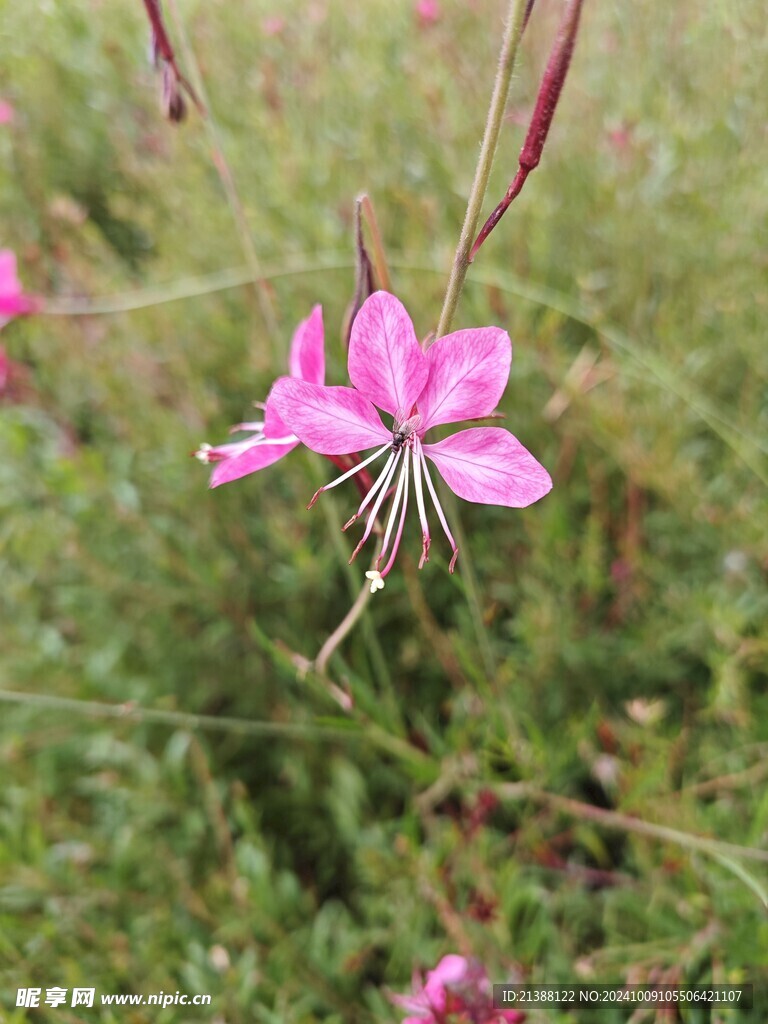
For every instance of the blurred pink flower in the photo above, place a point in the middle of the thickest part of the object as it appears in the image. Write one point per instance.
(13, 301)
(270, 438)
(461, 376)
(7, 113)
(428, 11)
(457, 991)
(273, 25)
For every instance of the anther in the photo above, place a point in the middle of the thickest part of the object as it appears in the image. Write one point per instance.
(377, 583)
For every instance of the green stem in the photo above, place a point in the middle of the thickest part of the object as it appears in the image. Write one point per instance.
(130, 712)
(364, 731)
(627, 823)
(513, 30)
(512, 33)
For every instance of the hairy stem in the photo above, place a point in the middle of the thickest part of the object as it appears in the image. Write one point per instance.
(541, 121)
(512, 32)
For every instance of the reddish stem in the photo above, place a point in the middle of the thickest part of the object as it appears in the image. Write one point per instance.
(160, 41)
(549, 93)
(162, 49)
(528, 9)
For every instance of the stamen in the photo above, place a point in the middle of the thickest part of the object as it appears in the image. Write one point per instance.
(440, 513)
(376, 506)
(256, 426)
(377, 583)
(209, 453)
(348, 474)
(401, 524)
(402, 481)
(369, 496)
(425, 537)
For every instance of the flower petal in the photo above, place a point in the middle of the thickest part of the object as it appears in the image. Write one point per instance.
(450, 971)
(307, 359)
(13, 302)
(274, 426)
(9, 281)
(249, 461)
(386, 363)
(490, 466)
(468, 371)
(331, 421)
(10, 288)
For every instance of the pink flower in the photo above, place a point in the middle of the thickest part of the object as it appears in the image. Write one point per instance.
(427, 11)
(270, 438)
(461, 376)
(13, 301)
(457, 991)
(7, 113)
(273, 25)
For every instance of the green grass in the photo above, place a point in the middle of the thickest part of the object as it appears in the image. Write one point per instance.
(297, 875)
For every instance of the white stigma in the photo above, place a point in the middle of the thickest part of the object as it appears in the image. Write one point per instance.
(202, 452)
(377, 583)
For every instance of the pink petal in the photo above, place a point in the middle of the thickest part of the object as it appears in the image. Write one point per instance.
(468, 371)
(6, 112)
(428, 11)
(450, 971)
(273, 25)
(9, 282)
(386, 363)
(10, 287)
(331, 421)
(249, 461)
(413, 1004)
(273, 423)
(12, 300)
(15, 305)
(490, 466)
(307, 359)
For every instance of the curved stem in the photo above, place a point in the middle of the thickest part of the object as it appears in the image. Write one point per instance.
(343, 628)
(373, 647)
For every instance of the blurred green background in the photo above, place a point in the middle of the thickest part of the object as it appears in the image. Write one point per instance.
(616, 650)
